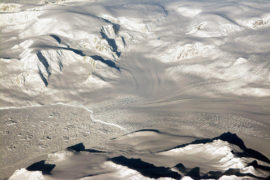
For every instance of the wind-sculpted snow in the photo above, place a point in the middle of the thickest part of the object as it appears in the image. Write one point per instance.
(214, 158)
(113, 29)
(30, 132)
(46, 46)
(86, 71)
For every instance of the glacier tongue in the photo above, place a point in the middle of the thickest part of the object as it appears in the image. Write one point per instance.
(216, 158)
(88, 71)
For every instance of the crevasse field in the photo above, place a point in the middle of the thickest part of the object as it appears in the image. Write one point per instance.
(134, 89)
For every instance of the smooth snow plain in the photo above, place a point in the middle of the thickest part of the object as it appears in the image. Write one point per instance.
(139, 81)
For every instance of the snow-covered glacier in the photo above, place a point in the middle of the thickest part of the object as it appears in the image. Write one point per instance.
(131, 89)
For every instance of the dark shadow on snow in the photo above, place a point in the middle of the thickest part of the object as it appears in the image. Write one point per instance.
(258, 166)
(44, 61)
(42, 77)
(145, 168)
(111, 42)
(57, 38)
(41, 166)
(76, 51)
(195, 173)
(80, 147)
(116, 27)
(229, 172)
(150, 170)
(109, 63)
(232, 139)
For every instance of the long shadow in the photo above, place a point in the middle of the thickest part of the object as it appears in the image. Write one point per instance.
(80, 147)
(152, 130)
(195, 174)
(41, 166)
(76, 51)
(258, 166)
(232, 139)
(141, 130)
(146, 169)
(116, 27)
(109, 63)
(57, 38)
(42, 77)
(229, 172)
(111, 42)
(44, 61)
(247, 152)
(181, 168)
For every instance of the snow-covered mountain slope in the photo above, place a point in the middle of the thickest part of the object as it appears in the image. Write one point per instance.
(87, 71)
(44, 50)
(212, 42)
(217, 158)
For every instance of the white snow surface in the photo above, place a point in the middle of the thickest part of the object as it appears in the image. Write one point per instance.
(22, 174)
(87, 71)
(202, 39)
(210, 156)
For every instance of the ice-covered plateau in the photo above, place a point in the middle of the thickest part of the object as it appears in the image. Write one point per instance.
(135, 89)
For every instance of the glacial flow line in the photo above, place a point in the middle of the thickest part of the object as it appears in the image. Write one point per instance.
(70, 105)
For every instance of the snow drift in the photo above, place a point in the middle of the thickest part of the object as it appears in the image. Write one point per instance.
(87, 71)
(216, 158)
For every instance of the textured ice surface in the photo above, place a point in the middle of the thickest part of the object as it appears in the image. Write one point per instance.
(88, 71)
(217, 158)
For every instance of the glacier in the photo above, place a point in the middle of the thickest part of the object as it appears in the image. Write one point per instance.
(140, 81)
